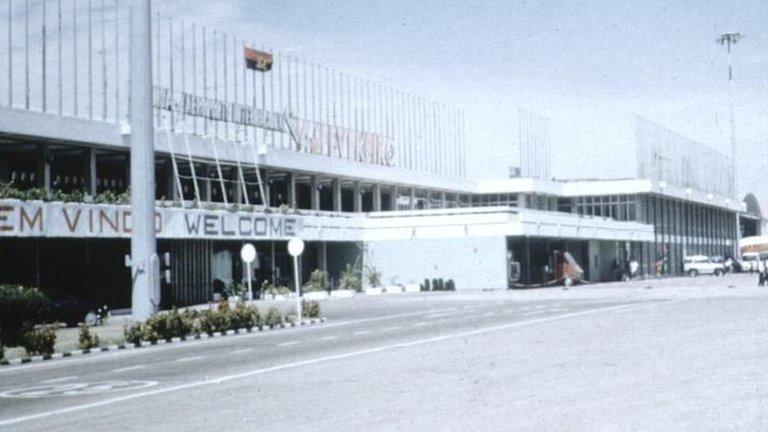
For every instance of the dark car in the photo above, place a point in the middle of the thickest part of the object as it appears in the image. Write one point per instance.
(69, 309)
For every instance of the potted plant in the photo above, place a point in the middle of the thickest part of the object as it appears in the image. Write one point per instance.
(234, 291)
(349, 283)
(373, 277)
(315, 289)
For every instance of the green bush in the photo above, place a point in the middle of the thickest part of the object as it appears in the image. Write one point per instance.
(216, 320)
(373, 275)
(235, 289)
(425, 285)
(133, 333)
(245, 316)
(450, 285)
(310, 308)
(40, 339)
(318, 281)
(348, 279)
(21, 309)
(273, 317)
(86, 339)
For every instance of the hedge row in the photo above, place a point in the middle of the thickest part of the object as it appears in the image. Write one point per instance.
(220, 318)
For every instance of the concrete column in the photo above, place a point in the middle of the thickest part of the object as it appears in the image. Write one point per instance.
(89, 167)
(145, 296)
(393, 197)
(171, 190)
(206, 193)
(358, 199)
(443, 200)
(522, 201)
(237, 188)
(336, 185)
(290, 181)
(376, 197)
(314, 194)
(265, 187)
(412, 201)
(43, 167)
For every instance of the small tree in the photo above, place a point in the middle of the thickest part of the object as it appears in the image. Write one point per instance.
(318, 281)
(348, 280)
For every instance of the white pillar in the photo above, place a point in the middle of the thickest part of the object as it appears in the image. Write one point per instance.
(145, 296)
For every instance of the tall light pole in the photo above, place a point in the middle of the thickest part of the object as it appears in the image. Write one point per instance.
(729, 39)
(145, 296)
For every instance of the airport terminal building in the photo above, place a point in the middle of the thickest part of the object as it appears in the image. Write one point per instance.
(255, 146)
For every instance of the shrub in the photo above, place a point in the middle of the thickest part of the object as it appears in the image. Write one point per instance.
(318, 281)
(425, 285)
(310, 308)
(133, 333)
(21, 309)
(273, 317)
(245, 316)
(289, 319)
(450, 285)
(435, 285)
(176, 324)
(86, 339)
(40, 339)
(373, 275)
(216, 320)
(235, 289)
(348, 279)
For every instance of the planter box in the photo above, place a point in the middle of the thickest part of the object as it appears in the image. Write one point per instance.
(412, 288)
(316, 295)
(394, 289)
(342, 293)
(373, 291)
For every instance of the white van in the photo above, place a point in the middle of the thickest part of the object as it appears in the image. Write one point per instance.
(701, 264)
(749, 261)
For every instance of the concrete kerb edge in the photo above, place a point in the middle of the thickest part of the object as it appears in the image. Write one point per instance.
(144, 344)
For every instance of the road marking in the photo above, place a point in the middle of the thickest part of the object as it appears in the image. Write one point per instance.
(530, 313)
(393, 328)
(361, 332)
(439, 315)
(327, 338)
(240, 351)
(285, 344)
(351, 354)
(488, 314)
(55, 380)
(421, 324)
(190, 358)
(129, 368)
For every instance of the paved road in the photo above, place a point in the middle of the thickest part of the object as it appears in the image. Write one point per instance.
(685, 355)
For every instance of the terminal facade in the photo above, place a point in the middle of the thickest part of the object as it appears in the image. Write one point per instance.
(367, 175)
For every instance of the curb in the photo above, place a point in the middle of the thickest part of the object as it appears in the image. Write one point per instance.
(143, 344)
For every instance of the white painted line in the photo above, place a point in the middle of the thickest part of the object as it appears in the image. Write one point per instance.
(361, 332)
(393, 328)
(55, 380)
(129, 368)
(327, 338)
(439, 315)
(241, 351)
(530, 313)
(488, 314)
(285, 344)
(190, 358)
(351, 354)
(421, 324)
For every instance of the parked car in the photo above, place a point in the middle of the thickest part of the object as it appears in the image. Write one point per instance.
(70, 310)
(749, 262)
(702, 264)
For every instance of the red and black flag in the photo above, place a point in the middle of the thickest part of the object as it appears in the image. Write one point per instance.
(257, 60)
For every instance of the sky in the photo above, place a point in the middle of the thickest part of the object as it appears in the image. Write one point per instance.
(589, 67)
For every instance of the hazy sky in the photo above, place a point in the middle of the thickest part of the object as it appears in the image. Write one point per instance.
(588, 66)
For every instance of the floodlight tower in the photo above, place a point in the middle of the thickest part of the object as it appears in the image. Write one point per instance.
(729, 39)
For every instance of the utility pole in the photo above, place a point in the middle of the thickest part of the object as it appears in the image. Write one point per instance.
(145, 297)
